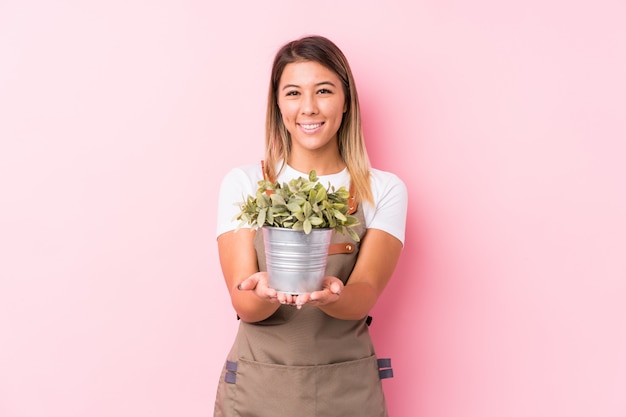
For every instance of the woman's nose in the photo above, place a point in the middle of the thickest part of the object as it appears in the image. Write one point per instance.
(309, 104)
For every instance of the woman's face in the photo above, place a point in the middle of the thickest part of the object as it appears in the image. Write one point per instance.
(312, 104)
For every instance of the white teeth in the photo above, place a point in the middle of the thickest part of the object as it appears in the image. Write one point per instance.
(311, 127)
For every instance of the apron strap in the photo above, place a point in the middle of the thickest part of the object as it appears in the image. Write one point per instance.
(384, 368)
(266, 176)
(335, 248)
(231, 372)
(352, 204)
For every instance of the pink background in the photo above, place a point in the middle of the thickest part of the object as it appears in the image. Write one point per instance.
(505, 119)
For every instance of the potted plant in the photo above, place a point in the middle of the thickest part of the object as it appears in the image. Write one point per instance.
(297, 219)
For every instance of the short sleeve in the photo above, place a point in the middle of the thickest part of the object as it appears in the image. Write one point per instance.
(390, 204)
(234, 189)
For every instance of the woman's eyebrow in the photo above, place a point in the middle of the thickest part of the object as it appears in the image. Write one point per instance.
(317, 85)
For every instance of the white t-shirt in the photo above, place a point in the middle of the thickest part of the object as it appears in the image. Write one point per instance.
(388, 212)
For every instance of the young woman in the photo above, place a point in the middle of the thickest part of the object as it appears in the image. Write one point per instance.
(310, 354)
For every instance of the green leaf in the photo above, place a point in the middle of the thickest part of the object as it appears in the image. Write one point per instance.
(332, 222)
(307, 226)
(299, 199)
(353, 235)
(321, 195)
(306, 187)
(261, 218)
(315, 221)
(277, 200)
(261, 200)
(339, 215)
(307, 209)
(294, 207)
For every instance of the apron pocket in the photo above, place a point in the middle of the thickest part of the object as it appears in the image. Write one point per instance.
(350, 389)
(346, 389)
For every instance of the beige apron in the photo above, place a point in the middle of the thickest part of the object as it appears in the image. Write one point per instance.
(304, 363)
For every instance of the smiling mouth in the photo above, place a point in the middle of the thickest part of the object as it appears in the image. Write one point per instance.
(311, 126)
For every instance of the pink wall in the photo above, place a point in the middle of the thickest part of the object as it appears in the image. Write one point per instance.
(118, 120)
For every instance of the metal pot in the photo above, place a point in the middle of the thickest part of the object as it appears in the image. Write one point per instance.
(296, 262)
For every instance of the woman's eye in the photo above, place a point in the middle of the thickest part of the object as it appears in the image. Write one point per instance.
(324, 91)
(292, 93)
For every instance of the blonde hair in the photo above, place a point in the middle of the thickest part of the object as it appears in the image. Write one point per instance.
(350, 134)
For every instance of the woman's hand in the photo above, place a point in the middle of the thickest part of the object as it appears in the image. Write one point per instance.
(331, 289)
(257, 283)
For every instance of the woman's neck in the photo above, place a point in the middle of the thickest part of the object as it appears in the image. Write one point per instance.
(321, 165)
